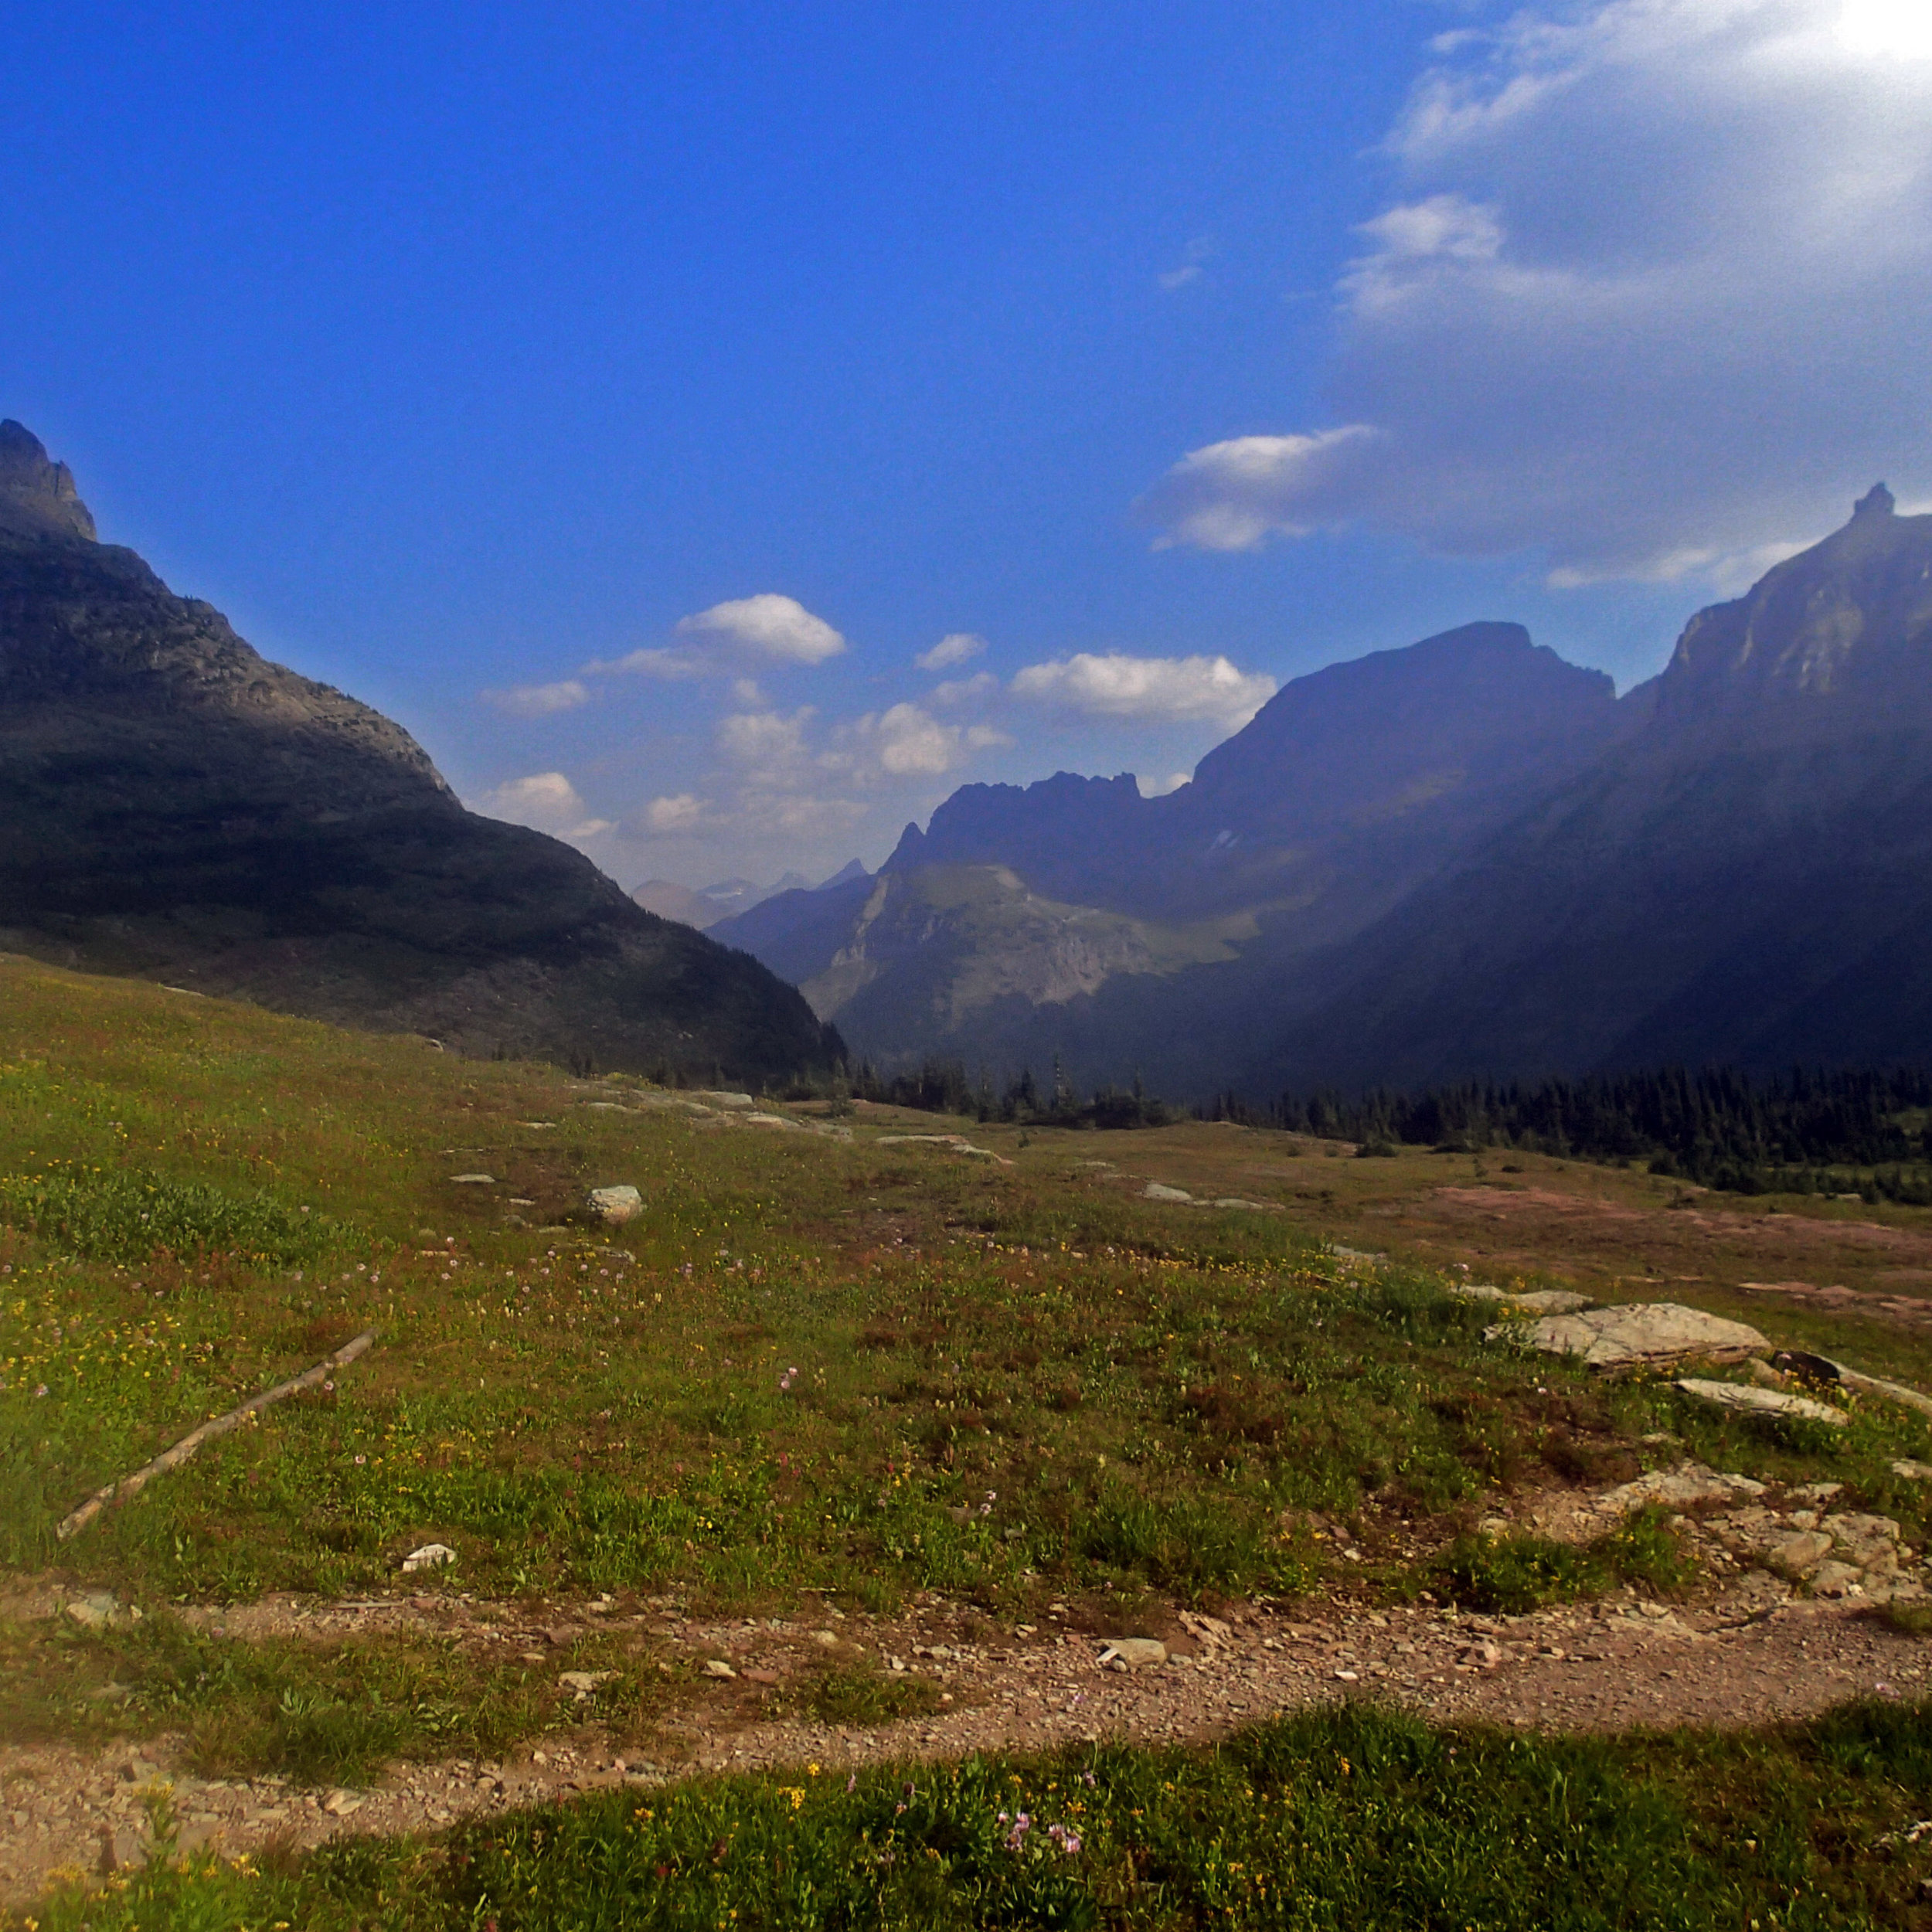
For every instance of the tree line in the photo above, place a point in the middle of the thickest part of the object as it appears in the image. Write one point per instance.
(1794, 1133)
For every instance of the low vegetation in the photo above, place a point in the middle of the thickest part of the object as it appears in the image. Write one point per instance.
(1346, 1819)
(866, 1367)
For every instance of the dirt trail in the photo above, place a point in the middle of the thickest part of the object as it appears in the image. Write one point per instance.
(1750, 1652)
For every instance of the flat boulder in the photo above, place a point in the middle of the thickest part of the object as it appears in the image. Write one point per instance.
(1640, 1335)
(1746, 1398)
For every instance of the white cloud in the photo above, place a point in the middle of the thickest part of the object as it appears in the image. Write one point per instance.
(1231, 495)
(766, 741)
(680, 812)
(545, 801)
(959, 646)
(1169, 689)
(1189, 270)
(1160, 787)
(770, 626)
(956, 691)
(649, 664)
(1650, 295)
(986, 738)
(538, 700)
(913, 742)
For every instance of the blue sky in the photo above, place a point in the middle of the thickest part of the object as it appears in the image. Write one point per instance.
(1152, 354)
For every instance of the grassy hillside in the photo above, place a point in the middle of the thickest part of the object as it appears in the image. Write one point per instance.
(823, 1359)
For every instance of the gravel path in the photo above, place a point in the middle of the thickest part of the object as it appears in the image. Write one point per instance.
(1748, 1654)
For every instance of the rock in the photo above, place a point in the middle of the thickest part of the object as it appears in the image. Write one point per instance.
(1797, 1553)
(717, 1667)
(1745, 1398)
(100, 1609)
(737, 1102)
(1133, 1652)
(825, 1639)
(1158, 1191)
(617, 1205)
(1764, 1375)
(1822, 1368)
(1690, 1482)
(473, 1180)
(1478, 1291)
(1640, 1335)
(583, 1683)
(430, 1556)
(339, 1804)
(1553, 1301)
(1913, 1471)
(1835, 1579)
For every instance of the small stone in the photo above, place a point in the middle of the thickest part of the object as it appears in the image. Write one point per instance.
(717, 1667)
(1913, 1471)
(1135, 1652)
(339, 1804)
(98, 1610)
(583, 1683)
(430, 1556)
(473, 1180)
(825, 1639)
(617, 1205)
(1157, 1190)
(761, 1677)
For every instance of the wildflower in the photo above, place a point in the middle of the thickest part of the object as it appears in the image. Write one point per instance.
(852, 1783)
(41, 1390)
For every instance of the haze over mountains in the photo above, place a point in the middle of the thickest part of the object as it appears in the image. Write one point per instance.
(1466, 858)
(174, 806)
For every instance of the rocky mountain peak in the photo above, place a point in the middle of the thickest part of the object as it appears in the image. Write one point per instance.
(1843, 628)
(37, 495)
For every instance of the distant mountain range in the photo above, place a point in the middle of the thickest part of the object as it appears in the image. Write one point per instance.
(703, 906)
(173, 806)
(1466, 858)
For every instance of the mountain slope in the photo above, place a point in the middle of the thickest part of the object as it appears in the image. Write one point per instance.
(1169, 934)
(172, 805)
(1748, 879)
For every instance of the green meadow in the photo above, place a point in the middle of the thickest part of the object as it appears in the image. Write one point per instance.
(813, 1364)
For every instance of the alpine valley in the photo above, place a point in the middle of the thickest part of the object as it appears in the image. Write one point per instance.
(1465, 859)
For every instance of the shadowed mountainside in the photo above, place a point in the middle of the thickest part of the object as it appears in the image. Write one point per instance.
(1747, 880)
(172, 805)
(1464, 859)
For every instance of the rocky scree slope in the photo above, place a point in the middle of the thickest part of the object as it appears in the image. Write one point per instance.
(173, 806)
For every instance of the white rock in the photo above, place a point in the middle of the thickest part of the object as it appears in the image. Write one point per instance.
(430, 1556)
(473, 1180)
(1133, 1652)
(1640, 1335)
(1913, 1471)
(583, 1683)
(1688, 1483)
(737, 1102)
(617, 1205)
(717, 1667)
(1158, 1191)
(1746, 1398)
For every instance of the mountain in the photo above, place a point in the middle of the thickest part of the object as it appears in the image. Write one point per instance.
(173, 806)
(1747, 879)
(1462, 859)
(1076, 916)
